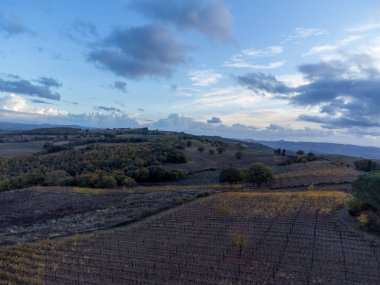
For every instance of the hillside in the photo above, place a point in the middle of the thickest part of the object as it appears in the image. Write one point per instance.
(327, 148)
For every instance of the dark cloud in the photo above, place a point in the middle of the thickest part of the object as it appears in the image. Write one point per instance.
(136, 52)
(25, 87)
(107, 109)
(39, 101)
(346, 90)
(260, 81)
(84, 29)
(210, 17)
(12, 27)
(49, 82)
(214, 120)
(120, 85)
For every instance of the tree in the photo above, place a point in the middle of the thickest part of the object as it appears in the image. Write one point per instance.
(188, 143)
(300, 152)
(283, 152)
(230, 175)
(367, 189)
(201, 149)
(259, 174)
(221, 149)
(211, 151)
(311, 156)
(365, 165)
(238, 155)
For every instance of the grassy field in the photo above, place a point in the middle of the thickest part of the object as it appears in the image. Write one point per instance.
(230, 238)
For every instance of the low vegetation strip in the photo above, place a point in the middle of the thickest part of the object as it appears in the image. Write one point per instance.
(230, 238)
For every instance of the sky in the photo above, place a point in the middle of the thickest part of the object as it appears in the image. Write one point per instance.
(265, 69)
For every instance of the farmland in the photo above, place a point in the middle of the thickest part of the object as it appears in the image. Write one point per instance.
(312, 173)
(230, 238)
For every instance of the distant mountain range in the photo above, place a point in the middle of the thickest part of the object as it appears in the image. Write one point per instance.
(327, 148)
(10, 127)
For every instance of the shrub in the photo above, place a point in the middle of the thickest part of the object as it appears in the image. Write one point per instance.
(188, 143)
(230, 175)
(367, 189)
(201, 149)
(238, 155)
(141, 174)
(365, 165)
(354, 206)
(211, 151)
(259, 174)
(363, 221)
(129, 182)
(175, 156)
(221, 149)
(107, 181)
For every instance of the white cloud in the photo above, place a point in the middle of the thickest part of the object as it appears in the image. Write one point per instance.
(204, 77)
(364, 28)
(17, 103)
(293, 80)
(244, 64)
(329, 48)
(302, 33)
(228, 96)
(247, 58)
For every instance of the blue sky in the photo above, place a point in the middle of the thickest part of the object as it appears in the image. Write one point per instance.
(268, 69)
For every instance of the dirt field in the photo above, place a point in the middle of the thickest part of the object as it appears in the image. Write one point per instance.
(13, 149)
(230, 238)
(36, 213)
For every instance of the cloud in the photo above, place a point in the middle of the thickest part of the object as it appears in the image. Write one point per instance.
(16, 108)
(364, 28)
(25, 87)
(204, 77)
(214, 120)
(210, 17)
(346, 91)
(332, 48)
(137, 52)
(247, 58)
(107, 109)
(18, 104)
(49, 82)
(37, 101)
(12, 27)
(84, 29)
(120, 85)
(261, 81)
(303, 33)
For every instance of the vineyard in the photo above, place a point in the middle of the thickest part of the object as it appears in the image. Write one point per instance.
(228, 238)
(319, 172)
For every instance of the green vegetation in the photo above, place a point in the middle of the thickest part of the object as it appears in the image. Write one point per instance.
(367, 189)
(230, 175)
(354, 206)
(259, 174)
(100, 166)
(366, 165)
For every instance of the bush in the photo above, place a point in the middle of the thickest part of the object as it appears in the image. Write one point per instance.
(363, 221)
(211, 151)
(129, 182)
(221, 149)
(107, 181)
(259, 174)
(201, 149)
(366, 165)
(175, 156)
(230, 175)
(354, 206)
(238, 155)
(367, 189)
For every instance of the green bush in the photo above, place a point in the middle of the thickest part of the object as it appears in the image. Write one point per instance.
(230, 175)
(365, 165)
(367, 189)
(354, 206)
(129, 182)
(259, 174)
(107, 181)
